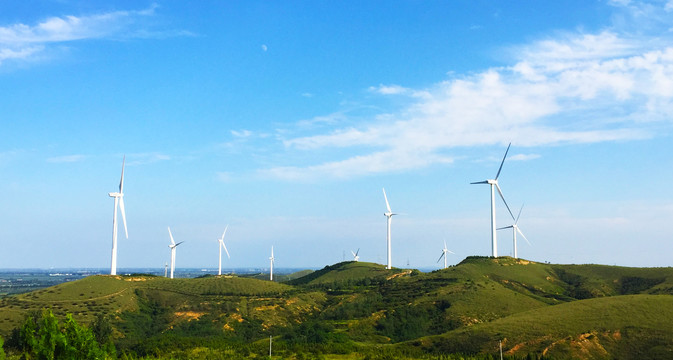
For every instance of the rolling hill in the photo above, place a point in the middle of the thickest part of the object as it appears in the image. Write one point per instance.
(560, 311)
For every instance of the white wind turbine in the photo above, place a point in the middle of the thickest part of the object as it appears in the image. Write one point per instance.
(494, 185)
(389, 215)
(444, 252)
(173, 245)
(119, 203)
(221, 245)
(356, 257)
(271, 261)
(515, 229)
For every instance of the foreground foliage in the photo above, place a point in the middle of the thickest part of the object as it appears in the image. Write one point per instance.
(42, 336)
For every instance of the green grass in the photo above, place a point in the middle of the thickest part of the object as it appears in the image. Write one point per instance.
(585, 311)
(349, 273)
(566, 330)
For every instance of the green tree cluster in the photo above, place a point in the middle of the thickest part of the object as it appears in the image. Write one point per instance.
(42, 337)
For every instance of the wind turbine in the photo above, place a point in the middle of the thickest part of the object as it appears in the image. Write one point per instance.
(389, 215)
(119, 203)
(494, 185)
(271, 260)
(221, 241)
(355, 255)
(444, 252)
(515, 229)
(173, 245)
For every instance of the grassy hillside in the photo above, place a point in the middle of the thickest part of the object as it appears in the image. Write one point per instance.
(564, 311)
(115, 294)
(636, 326)
(350, 273)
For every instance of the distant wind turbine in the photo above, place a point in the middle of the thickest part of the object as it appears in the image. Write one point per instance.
(173, 245)
(389, 215)
(494, 185)
(515, 229)
(166, 270)
(221, 245)
(356, 257)
(119, 203)
(444, 252)
(271, 260)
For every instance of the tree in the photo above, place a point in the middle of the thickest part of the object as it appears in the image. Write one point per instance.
(2, 351)
(42, 337)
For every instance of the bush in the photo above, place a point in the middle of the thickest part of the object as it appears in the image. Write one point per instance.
(42, 337)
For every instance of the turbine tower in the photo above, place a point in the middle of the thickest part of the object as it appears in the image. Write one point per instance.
(444, 252)
(389, 215)
(271, 261)
(356, 257)
(494, 185)
(173, 245)
(515, 229)
(221, 245)
(119, 203)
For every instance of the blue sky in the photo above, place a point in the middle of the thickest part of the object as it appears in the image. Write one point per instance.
(285, 120)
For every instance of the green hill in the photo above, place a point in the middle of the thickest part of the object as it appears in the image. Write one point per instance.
(359, 308)
(349, 273)
(634, 326)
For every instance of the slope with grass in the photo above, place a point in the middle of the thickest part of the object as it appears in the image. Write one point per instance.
(564, 311)
(593, 328)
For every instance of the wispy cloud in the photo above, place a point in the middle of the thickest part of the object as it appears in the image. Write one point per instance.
(146, 158)
(24, 42)
(573, 88)
(523, 157)
(241, 133)
(66, 158)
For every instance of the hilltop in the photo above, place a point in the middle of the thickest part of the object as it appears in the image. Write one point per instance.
(564, 311)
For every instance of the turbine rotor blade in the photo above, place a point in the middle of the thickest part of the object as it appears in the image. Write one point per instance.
(354, 254)
(357, 252)
(387, 204)
(171, 235)
(121, 182)
(479, 182)
(176, 245)
(503, 161)
(121, 206)
(524, 236)
(503, 200)
(517, 217)
(505, 227)
(225, 250)
(440, 257)
(225, 231)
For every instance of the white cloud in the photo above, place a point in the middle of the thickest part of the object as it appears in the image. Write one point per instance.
(21, 41)
(66, 158)
(576, 88)
(264, 48)
(669, 6)
(523, 157)
(146, 158)
(241, 133)
(385, 161)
